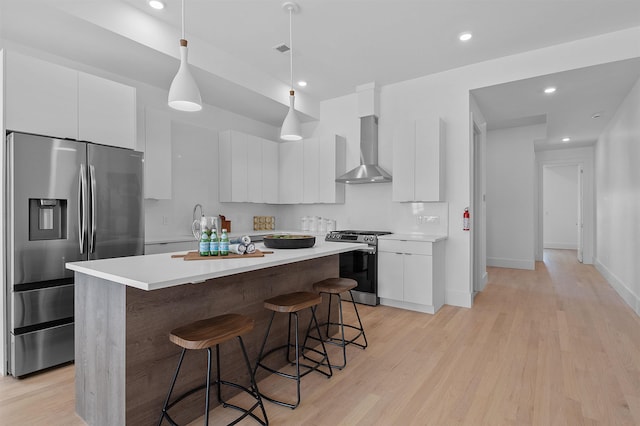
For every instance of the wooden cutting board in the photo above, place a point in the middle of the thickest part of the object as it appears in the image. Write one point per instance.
(194, 255)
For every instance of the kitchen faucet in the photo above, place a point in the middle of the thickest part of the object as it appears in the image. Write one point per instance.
(194, 211)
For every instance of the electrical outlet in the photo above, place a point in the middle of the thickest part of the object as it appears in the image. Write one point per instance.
(165, 220)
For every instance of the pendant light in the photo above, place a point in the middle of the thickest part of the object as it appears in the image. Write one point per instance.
(184, 94)
(291, 125)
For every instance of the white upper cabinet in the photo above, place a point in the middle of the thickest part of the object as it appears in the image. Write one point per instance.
(52, 100)
(257, 170)
(314, 165)
(40, 97)
(106, 111)
(418, 161)
(157, 155)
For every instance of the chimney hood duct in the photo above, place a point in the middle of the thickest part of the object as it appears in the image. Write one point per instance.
(368, 171)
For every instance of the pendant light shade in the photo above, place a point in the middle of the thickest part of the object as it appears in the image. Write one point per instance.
(184, 94)
(291, 125)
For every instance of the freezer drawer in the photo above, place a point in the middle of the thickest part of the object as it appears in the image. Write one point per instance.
(41, 349)
(42, 305)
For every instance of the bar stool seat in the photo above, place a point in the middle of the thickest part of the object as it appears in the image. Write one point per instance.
(337, 286)
(292, 303)
(205, 334)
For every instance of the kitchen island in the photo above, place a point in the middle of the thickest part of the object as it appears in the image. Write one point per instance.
(125, 309)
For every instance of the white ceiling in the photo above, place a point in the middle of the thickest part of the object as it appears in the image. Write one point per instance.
(338, 45)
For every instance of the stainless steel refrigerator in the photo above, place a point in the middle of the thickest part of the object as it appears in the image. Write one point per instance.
(66, 201)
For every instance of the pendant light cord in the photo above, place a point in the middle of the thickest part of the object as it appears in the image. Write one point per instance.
(290, 48)
(183, 19)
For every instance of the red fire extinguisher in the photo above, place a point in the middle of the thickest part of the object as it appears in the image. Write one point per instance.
(465, 219)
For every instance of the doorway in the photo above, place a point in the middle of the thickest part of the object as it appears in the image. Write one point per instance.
(562, 207)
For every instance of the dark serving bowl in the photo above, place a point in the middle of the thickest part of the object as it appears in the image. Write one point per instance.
(287, 241)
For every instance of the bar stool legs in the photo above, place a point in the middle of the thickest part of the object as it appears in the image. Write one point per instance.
(335, 286)
(206, 334)
(316, 364)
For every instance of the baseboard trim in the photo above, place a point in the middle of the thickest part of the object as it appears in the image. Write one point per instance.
(511, 263)
(561, 246)
(619, 286)
(458, 298)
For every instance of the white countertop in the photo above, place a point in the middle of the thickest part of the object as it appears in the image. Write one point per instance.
(415, 236)
(155, 271)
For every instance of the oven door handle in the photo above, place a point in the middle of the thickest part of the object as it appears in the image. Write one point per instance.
(370, 250)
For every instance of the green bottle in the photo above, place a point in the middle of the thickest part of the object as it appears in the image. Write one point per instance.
(224, 243)
(214, 245)
(204, 243)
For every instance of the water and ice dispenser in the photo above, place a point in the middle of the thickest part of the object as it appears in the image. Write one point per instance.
(47, 219)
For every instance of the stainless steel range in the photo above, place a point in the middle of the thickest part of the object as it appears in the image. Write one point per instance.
(360, 265)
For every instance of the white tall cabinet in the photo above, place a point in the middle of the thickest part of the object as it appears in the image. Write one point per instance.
(411, 272)
(418, 161)
(52, 100)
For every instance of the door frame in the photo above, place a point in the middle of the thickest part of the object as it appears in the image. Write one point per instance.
(587, 204)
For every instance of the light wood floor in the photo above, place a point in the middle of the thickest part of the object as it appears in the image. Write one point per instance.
(554, 346)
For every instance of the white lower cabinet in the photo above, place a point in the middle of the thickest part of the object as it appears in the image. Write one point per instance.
(411, 274)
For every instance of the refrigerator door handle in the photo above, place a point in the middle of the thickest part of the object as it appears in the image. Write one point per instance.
(82, 211)
(92, 237)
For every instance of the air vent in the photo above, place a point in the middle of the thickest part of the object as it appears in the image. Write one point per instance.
(282, 48)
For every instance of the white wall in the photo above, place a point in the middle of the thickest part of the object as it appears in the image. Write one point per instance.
(618, 200)
(510, 196)
(560, 206)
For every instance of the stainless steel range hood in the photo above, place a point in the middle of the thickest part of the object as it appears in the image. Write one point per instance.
(368, 171)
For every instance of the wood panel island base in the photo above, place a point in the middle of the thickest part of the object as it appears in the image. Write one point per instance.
(124, 359)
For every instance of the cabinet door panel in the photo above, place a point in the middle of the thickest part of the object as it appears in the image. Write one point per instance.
(239, 177)
(270, 165)
(404, 162)
(254, 169)
(428, 152)
(40, 97)
(157, 155)
(290, 185)
(106, 111)
(418, 279)
(390, 276)
(311, 172)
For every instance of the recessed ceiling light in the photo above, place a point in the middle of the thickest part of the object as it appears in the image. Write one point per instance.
(302, 83)
(566, 139)
(466, 36)
(549, 90)
(156, 4)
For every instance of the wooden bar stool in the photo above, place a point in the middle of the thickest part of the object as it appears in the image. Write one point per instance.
(292, 303)
(206, 334)
(336, 286)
